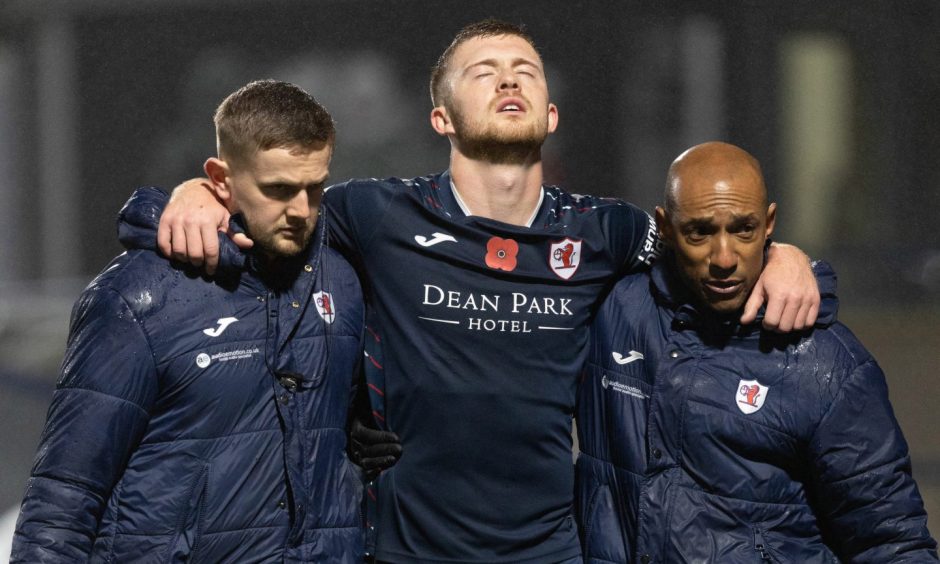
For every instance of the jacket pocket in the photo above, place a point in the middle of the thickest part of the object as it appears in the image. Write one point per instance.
(185, 543)
(350, 494)
(602, 528)
(774, 546)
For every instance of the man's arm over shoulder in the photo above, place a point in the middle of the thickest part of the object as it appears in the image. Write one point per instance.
(787, 289)
(630, 233)
(354, 211)
(98, 414)
(867, 499)
(193, 227)
(139, 218)
(141, 225)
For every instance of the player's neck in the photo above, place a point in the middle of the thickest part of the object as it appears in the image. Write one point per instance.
(504, 192)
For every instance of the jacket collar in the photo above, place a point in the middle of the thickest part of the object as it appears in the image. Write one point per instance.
(280, 274)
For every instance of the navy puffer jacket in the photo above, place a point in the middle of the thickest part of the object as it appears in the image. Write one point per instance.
(201, 420)
(705, 441)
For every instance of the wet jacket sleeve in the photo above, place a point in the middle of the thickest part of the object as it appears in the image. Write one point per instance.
(139, 219)
(868, 504)
(98, 414)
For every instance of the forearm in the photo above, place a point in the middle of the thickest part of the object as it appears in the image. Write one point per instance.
(58, 522)
(99, 413)
(82, 454)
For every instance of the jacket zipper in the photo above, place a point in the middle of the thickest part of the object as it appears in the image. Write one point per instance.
(760, 547)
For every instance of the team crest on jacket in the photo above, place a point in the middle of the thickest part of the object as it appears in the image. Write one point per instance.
(564, 257)
(325, 306)
(751, 395)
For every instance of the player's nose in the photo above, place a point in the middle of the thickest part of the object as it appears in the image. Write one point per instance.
(299, 205)
(723, 257)
(508, 80)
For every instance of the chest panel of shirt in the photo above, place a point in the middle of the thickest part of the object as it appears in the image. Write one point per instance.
(481, 364)
(448, 300)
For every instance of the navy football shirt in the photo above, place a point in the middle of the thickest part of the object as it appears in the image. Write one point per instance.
(479, 331)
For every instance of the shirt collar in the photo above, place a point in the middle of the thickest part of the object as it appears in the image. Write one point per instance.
(466, 211)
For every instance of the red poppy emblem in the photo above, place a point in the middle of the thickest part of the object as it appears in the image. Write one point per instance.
(501, 254)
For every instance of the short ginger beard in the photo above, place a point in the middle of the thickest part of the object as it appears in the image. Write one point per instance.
(266, 241)
(489, 144)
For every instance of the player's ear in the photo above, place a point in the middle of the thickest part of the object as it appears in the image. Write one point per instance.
(771, 218)
(663, 227)
(219, 175)
(440, 121)
(552, 117)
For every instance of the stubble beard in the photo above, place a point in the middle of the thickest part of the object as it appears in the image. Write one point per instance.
(273, 244)
(499, 145)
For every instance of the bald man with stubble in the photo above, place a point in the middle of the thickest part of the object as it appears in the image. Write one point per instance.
(706, 440)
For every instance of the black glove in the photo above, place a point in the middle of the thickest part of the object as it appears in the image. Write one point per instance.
(372, 449)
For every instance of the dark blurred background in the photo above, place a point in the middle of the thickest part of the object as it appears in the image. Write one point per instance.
(837, 99)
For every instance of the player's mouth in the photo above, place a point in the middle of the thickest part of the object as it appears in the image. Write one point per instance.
(293, 232)
(511, 106)
(723, 288)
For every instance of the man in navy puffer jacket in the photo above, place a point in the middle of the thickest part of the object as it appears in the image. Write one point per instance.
(706, 441)
(204, 420)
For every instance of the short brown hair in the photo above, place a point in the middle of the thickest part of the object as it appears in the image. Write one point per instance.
(268, 113)
(486, 28)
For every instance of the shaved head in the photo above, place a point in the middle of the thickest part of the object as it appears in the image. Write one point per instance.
(713, 165)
